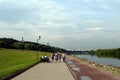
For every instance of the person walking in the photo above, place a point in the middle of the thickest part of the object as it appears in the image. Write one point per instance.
(60, 57)
(56, 57)
(64, 57)
(52, 57)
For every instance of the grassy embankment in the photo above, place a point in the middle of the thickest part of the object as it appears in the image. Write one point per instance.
(14, 60)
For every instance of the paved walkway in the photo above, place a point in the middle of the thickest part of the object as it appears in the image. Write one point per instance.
(46, 71)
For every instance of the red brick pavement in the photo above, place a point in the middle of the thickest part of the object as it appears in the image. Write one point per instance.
(85, 71)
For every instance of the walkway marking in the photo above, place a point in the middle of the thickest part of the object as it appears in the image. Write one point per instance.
(70, 62)
(85, 78)
(76, 69)
(73, 66)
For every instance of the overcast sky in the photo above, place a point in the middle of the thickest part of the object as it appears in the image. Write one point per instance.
(73, 24)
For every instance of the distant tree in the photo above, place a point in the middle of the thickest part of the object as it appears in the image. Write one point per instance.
(15, 44)
(115, 53)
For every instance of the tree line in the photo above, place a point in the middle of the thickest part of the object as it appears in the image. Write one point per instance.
(113, 53)
(11, 43)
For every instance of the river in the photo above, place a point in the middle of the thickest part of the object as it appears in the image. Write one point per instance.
(101, 60)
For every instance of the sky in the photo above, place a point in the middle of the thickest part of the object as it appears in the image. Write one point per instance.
(68, 24)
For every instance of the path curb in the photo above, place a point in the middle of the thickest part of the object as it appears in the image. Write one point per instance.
(73, 74)
(12, 75)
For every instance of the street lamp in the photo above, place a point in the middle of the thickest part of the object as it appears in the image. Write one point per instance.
(22, 39)
(37, 46)
(22, 43)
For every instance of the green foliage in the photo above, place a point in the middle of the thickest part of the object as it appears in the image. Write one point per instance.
(7, 43)
(113, 53)
(15, 44)
(13, 60)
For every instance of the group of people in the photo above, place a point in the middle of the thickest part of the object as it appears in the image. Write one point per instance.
(55, 57)
(58, 57)
(44, 59)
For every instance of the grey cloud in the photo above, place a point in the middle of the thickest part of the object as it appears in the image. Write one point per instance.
(16, 11)
(84, 26)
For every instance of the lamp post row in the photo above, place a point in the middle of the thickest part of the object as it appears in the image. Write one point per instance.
(36, 46)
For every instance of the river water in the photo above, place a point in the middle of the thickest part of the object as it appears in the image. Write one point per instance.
(105, 61)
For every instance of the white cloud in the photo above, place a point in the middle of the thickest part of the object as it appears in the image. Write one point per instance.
(94, 29)
(57, 23)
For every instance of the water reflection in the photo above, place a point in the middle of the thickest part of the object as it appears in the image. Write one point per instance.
(101, 60)
(85, 78)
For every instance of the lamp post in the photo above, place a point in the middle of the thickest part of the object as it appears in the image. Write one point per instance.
(37, 47)
(22, 43)
(22, 39)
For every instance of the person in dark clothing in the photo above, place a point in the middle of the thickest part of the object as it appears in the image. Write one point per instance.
(52, 56)
(60, 57)
(46, 59)
(56, 57)
(42, 59)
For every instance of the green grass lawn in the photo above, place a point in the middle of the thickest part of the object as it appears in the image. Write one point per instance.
(13, 60)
